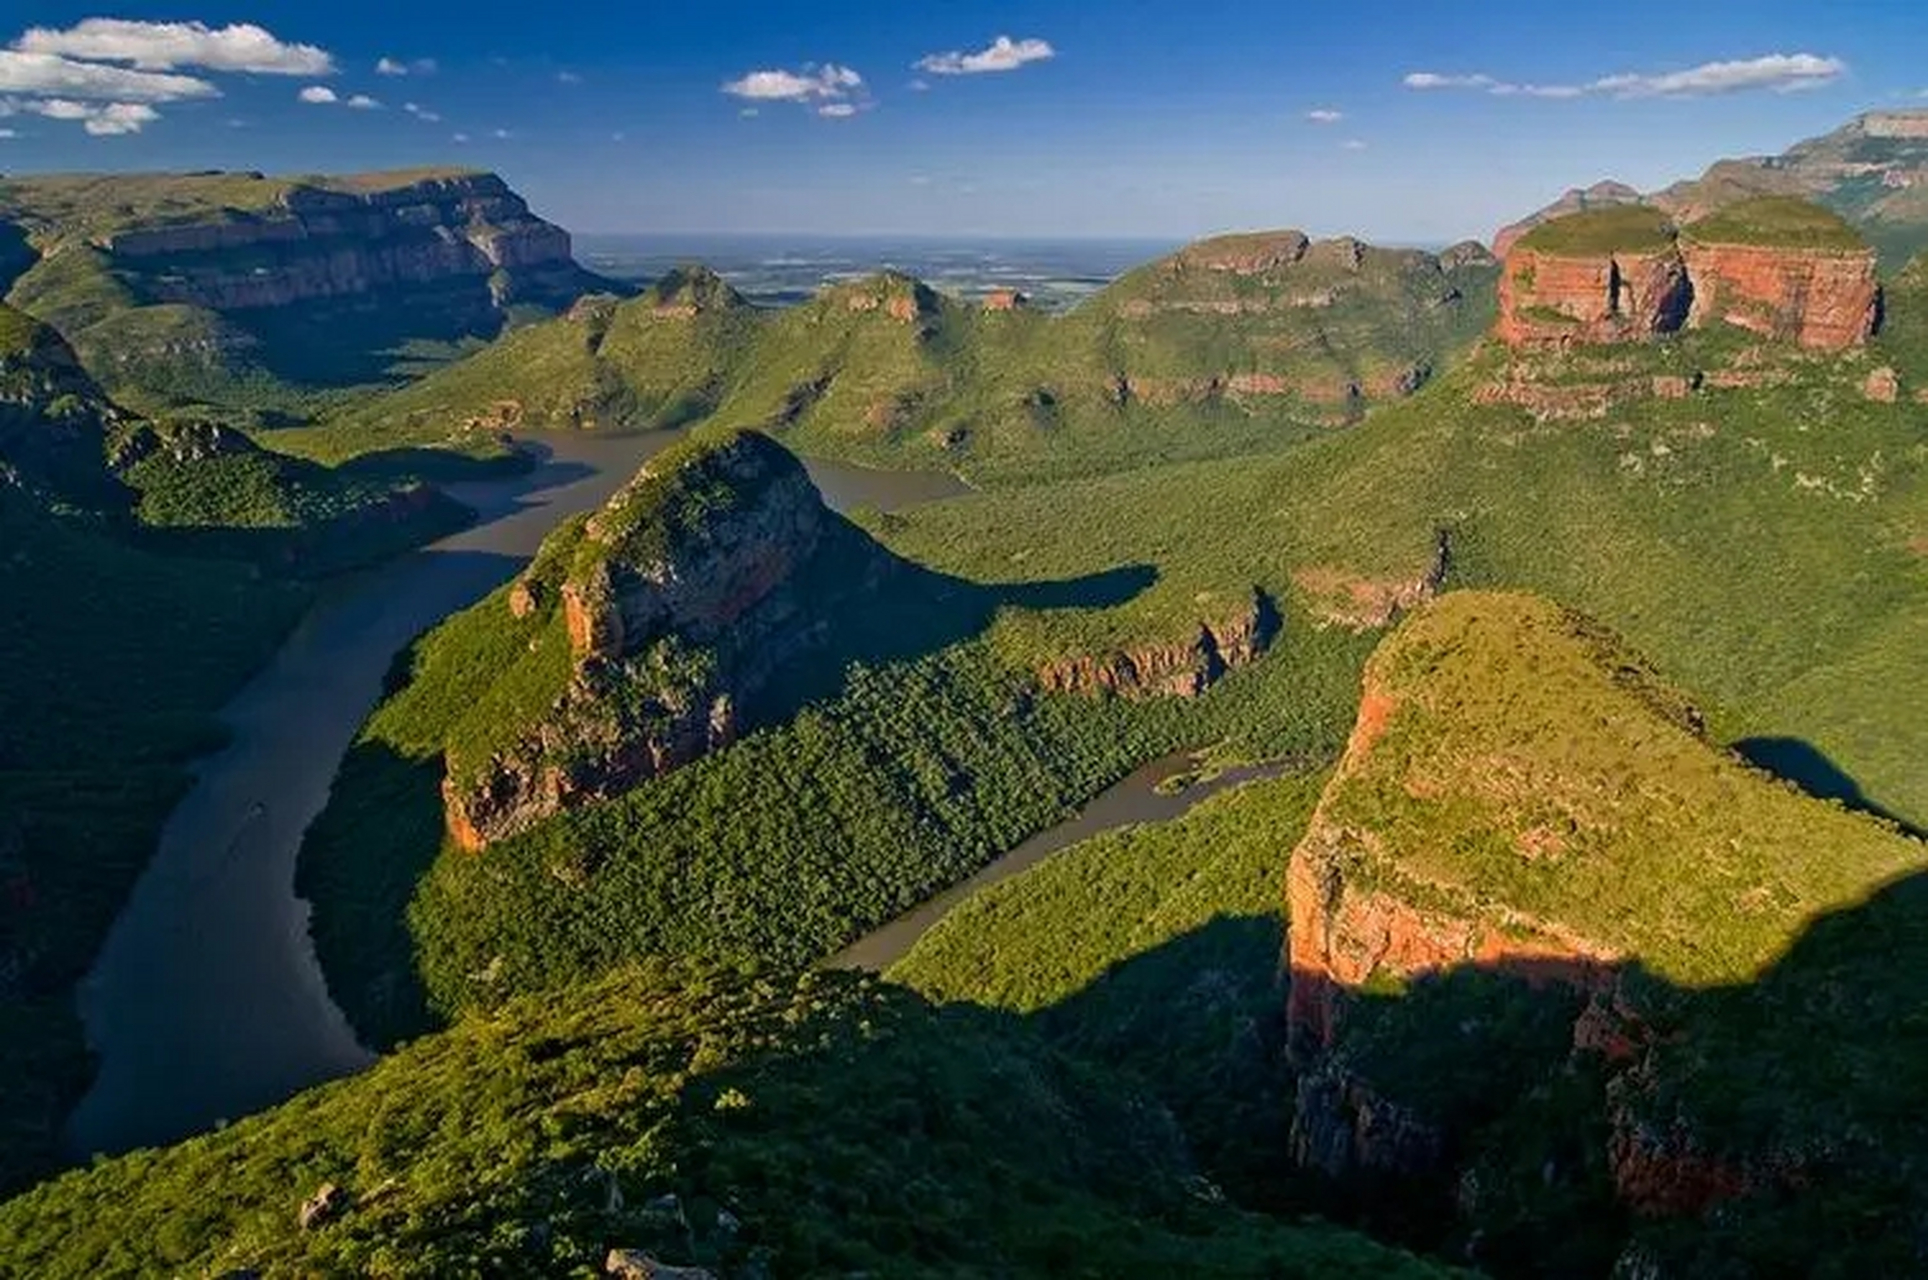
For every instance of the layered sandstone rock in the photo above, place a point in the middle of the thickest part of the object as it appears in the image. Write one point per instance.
(1826, 300)
(1181, 668)
(1606, 297)
(1567, 282)
(678, 606)
(326, 243)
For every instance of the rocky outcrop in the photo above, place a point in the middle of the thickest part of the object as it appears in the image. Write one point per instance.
(678, 604)
(1357, 602)
(1243, 255)
(1181, 668)
(326, 243)
(1605, 297)
(1567, 282)
(1827, 300)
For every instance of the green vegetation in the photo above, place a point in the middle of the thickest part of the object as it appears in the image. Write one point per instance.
(175, 299)
(821, 1125)
(1623, 228)
(1527, 773)
(107, 692)
(783, 847)
(1779, 222)
(652, 362)
(1593, 803)
(1156, 950)
(1172, 362)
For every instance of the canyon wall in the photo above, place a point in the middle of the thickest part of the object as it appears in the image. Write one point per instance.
(317, 243)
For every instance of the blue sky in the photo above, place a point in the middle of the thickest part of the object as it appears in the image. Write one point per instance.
(1405, 122)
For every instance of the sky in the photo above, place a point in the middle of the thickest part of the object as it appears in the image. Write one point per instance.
(1410, 122)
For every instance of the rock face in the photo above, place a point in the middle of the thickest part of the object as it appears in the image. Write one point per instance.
(317, 243)
(1182, 669)
(678, 603)
(1567, 282)
(53, 419)
(1612, 297)
(1507, 1004)
(1824, 300)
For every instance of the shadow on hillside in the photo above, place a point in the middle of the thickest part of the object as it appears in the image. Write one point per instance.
(1807, 767)
(1536, 1118)
(869, 607)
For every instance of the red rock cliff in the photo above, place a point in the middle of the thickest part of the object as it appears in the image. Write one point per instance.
(1825, 300)
(1608, 297)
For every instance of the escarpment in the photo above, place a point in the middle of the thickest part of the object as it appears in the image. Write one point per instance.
(360, 237)
(193, 288)
(670, 609)
(1555, 961)
(1784, 269)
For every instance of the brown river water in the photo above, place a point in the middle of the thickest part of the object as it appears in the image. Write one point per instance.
(206, 1003)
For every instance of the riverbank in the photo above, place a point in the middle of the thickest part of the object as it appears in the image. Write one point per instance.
(206, 1002)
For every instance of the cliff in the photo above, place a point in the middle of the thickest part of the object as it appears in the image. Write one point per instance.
(1181, 668)
(671, 608)
(1540, 929)
(307, 279)
(1785, 269)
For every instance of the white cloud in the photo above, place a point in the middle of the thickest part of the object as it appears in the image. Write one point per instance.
(100, 119)
(362, 102)
(828, 81)
(1433, 80)
(396, 67)
(319, 94)
(924, 86)
(502, 135)
(390, 67)
(1325, 115)
(836, 92)
(163, 46)
(8, 133)
(568, 77)
(1003, 54)
(461, 137)
(748, 113)
(1774, 72)
(422, 113)
(1353, 144)
(52, 74)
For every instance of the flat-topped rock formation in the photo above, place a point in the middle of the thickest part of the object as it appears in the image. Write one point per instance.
(1782, 268)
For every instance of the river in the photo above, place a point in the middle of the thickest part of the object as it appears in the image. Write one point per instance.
(206, 1002)
(1143, 796)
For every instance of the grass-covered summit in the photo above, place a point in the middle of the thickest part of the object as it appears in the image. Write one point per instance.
(1780, 222)
(1690, 971)
(1623, 228)
(659, 360)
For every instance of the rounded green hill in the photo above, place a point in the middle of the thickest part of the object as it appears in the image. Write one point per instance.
(1781, 222)
(1629, 228)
